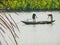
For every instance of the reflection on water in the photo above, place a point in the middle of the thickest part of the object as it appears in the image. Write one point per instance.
(41, 34)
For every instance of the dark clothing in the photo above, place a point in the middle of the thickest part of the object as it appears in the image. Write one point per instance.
(33, 16)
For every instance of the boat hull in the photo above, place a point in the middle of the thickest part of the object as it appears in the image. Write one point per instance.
(39, 22)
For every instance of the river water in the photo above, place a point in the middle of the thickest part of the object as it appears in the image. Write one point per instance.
(40, 34)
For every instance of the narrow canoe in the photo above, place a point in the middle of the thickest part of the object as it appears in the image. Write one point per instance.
(39, 22)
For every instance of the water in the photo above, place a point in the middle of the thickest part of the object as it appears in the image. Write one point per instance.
(46, 34)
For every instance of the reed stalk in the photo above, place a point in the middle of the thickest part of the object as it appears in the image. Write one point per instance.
(9, 25)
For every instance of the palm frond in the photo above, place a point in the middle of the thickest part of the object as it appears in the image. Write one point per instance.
(14, 23)
(3, 38)
(9, 25)
(0, 43)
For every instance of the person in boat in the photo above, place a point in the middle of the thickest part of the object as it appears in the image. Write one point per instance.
(34, 17)
(50, 16)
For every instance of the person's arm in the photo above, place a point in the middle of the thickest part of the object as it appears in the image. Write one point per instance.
(36, 17)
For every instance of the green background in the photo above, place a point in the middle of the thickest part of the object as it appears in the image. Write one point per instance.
(30, 5)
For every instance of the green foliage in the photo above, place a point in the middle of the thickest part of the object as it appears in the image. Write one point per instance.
(29, 5)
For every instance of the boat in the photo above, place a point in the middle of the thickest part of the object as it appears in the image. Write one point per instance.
(39, 22)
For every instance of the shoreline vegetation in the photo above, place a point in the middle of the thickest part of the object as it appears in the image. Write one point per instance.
(29, 5)
(29, 10)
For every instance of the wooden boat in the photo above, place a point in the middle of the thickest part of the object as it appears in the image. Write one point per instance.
(39, 22)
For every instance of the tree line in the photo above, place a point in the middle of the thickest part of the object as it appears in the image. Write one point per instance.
(30, 5)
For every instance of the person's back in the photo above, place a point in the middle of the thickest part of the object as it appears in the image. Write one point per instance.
(33, 17)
